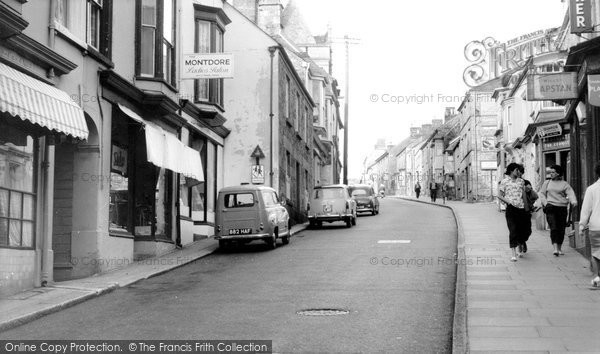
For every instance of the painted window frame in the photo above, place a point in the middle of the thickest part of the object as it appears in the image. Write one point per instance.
(216, 21)
(160, 49)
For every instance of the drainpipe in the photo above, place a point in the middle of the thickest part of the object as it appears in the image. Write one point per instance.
(48, 211)
(272, 54)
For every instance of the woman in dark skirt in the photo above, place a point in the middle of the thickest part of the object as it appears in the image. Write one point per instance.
(556, 195)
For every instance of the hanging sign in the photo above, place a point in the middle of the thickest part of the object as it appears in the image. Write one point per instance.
(581, 16)
(594, 90)
(555, 86)
(550, 130)
(207, 66)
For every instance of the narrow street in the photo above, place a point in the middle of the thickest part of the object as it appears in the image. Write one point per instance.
(399, 296)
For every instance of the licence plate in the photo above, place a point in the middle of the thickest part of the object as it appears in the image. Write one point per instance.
(246, 231)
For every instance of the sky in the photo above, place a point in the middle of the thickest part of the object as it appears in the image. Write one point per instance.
(414, 51)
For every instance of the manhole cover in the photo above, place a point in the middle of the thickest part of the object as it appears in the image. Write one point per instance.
(322, 312)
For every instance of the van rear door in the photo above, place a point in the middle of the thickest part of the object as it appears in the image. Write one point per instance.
(240, 213)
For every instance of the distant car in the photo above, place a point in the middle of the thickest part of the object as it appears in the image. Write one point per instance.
(250, 212)
(331, 203)
(366, 199)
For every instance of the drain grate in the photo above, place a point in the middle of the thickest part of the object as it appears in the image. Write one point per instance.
(323, 312)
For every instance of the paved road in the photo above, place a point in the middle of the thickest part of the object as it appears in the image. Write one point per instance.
(399, 296)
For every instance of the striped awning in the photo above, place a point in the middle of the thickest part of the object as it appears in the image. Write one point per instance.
(30, 99)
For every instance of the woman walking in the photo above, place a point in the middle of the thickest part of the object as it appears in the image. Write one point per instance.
(556, 195)
(511, 191)
(590, 219)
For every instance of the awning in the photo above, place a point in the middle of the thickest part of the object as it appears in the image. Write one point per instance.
(163, 149)
(30, 99)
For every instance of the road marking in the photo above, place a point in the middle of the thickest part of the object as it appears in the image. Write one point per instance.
(393, 241)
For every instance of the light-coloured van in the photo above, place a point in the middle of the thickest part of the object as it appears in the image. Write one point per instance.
(331, 203)
(250, 212)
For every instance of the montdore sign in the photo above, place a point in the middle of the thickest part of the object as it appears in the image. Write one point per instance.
(207, 66)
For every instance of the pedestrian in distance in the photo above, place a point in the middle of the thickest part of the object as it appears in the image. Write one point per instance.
(556, 195)
(444, 191)
(511, 192)
(590, 220)
(418, 189)
(432, 191)
(529, 201)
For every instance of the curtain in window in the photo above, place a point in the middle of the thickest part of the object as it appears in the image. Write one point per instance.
(203, 46)
(148, 36)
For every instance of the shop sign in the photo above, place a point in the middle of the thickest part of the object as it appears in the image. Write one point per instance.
(555, 86)
(488, 143)
(548, 131)
(489, 165)
(207, 66)
(594, 90)
(118, 161)
(258, 174)
(581, 16)
(556, 143)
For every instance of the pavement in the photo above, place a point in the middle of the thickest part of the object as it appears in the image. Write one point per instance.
(539, 304)
(32, 304)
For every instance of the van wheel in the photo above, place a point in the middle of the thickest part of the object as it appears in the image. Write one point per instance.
(272, 242)
(319, 224)
(349, 222)
(354, 221)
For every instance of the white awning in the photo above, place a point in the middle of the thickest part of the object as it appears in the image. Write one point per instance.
(30, 99)
(163, 149)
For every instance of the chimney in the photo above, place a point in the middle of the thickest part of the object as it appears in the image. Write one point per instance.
(269, 16)
(380, 144)
(449, 114)
(415, 132)
(426, 130)
(248, 8)
(436, 123)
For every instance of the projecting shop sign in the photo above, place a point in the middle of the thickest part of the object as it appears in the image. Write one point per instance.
(550, 130)
(207, 66)
(594, 90)
(557, 86)
(581, 16)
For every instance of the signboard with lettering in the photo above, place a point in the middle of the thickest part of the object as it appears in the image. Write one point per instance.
(550, 130)
(554, 86)
(556, 143)
(207, 66)
(581, 16)
(594, 90)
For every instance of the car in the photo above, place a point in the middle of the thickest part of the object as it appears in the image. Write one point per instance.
(366, 198)
(251, 212)
(330, 204)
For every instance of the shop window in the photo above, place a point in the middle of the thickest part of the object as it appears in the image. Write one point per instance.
(141, 201)
(156, 45)
(17, 188)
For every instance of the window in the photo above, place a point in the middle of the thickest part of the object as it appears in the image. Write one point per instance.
(297, 115)
(17, 188)
(156, 50)
(239, 200)
(209, 39)
(270, 198)
(287, 98)
(92, 21)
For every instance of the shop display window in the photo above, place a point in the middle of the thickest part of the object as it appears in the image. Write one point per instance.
(17, 188)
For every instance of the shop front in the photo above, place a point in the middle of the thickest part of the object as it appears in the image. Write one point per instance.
(33, 116)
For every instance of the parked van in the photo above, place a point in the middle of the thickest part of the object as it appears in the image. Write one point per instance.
(251, 212)
(331, 203)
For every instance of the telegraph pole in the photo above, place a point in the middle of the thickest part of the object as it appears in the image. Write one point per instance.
(345, 178)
